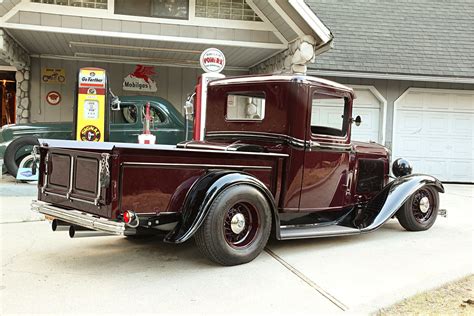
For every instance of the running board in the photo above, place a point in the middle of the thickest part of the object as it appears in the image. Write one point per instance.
(312, 231)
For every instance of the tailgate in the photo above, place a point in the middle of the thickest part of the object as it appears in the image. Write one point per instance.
(76, 179)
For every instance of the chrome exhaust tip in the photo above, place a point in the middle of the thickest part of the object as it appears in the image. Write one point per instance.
(58, 225)
(78, 231)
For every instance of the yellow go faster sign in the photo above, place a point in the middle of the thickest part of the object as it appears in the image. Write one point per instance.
(91, 111)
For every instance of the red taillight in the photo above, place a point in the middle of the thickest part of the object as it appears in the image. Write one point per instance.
(130, 218)
(127, 217)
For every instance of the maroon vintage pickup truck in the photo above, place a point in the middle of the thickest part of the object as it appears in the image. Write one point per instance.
(275, 157)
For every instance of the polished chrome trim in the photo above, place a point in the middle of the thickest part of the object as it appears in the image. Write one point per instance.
(314, 231)
(79, 218)
(194, 166)
(53, 194)
(71, 177)
(284, 138)
(83, 200)
(331, 147)
(272, 136)
(191, 145)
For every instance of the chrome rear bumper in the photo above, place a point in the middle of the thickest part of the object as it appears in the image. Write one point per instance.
(75, 217)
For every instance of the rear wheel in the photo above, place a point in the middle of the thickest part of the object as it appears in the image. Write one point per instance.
(420, 211)
(237, 226)
(17, 150)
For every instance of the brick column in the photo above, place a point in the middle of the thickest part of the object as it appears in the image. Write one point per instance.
(293, 60)
(15, 55)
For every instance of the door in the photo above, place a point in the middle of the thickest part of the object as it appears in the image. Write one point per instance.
(125, 125)
(433, 130)
(326, 159)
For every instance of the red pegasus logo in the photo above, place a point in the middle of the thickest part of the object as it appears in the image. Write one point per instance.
(144, 72)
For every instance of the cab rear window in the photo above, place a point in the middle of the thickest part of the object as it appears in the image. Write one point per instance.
(245, 106)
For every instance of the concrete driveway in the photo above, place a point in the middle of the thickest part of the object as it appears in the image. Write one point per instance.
(46, 272)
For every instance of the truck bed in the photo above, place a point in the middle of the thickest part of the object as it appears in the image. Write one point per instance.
(106, 179)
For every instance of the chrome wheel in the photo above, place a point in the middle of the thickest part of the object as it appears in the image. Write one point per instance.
(423, 205)
(241, 224)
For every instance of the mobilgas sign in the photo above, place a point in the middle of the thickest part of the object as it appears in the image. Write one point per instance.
(212, 60)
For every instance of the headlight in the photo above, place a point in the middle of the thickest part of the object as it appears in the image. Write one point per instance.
(401, 167)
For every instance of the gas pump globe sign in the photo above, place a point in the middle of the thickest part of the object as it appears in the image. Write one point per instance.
(212, 60)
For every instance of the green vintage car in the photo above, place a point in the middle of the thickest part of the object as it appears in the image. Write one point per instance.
(17, 140)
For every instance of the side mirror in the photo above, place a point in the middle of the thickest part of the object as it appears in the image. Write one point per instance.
(357, 120)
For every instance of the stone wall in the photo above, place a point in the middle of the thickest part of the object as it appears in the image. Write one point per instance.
(15, 55)
(293, 60)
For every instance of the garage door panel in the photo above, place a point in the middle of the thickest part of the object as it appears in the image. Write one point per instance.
(413, 101)
(461, 149)
(462, 171)
(434, 167)
(464, 103)
(433, 122)
(436, 101)
(411, 146)
(433, 147)
(408, 122)
(434, 130)
(462, 124)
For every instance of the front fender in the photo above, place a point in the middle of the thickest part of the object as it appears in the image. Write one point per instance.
(395, 194)
(202, 194)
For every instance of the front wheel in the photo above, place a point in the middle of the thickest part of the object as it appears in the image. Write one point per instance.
(420, 211)
(237, 226)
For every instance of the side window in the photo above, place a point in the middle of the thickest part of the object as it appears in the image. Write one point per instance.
(245, 106)
(328, 115)
(126, 115)
(158, 117)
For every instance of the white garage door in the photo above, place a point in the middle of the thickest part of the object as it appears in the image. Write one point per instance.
(366, 105)
(433, 129)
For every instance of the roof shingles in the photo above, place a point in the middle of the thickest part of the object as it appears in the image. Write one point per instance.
(422, 37)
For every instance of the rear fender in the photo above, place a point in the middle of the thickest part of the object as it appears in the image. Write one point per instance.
(202, 194)
(395, 194)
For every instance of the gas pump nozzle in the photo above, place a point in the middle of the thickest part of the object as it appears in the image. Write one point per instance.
(188, 113)
(114, 101)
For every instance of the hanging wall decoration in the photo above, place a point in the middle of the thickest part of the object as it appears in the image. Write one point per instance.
(140, 80)
(53, 98)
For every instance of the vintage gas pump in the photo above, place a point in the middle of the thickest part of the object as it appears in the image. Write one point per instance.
(91, 111)
(200, 105)
(212, 62)
(147, 137)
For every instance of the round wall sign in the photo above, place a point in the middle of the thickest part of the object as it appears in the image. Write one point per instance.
(212, 60)
(53, 97)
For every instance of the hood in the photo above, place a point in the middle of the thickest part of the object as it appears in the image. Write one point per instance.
(11, 131)
(373, 149)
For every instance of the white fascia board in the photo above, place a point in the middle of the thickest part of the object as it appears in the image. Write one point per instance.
(129, 61)
(110, 15)
(313, 21)
(367, 75)
(178, 39)
(285, 17)
(262, 16)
